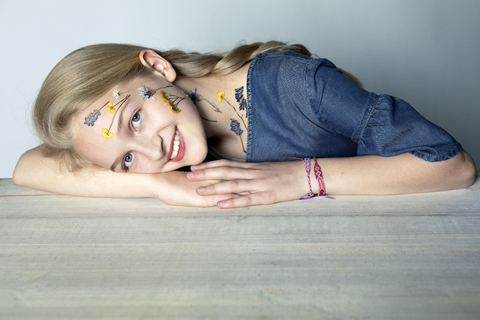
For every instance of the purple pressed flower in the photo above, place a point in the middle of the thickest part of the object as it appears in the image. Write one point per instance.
(235, 127)
(193, 95)
(242, 102)
(92, 117)
(147, 92)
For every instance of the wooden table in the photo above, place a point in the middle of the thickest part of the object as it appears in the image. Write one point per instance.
(356, 257)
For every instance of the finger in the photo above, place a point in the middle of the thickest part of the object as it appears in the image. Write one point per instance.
(226, 187)
(212, 201)
(254, 199)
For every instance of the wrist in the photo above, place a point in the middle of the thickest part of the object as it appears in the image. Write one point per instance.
(316, 184)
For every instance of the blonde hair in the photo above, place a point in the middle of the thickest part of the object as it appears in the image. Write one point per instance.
(87, 73)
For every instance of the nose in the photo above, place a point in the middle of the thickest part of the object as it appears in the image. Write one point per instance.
(151, 147)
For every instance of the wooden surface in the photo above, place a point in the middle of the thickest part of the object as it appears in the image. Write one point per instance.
(355, 257)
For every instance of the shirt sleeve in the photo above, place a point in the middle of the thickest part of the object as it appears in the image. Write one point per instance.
(379, 124)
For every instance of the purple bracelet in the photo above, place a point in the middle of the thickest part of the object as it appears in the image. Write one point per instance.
(307, 170)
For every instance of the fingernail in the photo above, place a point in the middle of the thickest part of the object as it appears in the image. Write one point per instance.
(191, 175)
(221, 204)
(201, 189)
(194, 167)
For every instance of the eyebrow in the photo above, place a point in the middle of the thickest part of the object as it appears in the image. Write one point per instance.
(120, 117)
(114, 165)
(119, 131)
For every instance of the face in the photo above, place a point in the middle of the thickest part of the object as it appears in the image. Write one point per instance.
(150, 132)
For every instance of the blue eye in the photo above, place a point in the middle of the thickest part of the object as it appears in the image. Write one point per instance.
(127, 161)
(135, 120)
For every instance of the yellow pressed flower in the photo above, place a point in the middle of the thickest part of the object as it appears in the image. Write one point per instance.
(106, 133)
(164, 97)
(220, 96)
(110, 107)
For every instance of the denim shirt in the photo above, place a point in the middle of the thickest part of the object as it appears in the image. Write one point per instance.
(303, 107)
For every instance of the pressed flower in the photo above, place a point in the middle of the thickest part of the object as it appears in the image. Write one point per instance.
(193, 95)
(167, 98)
(147, 92)
(110, 107)
(92, 117)
(117, 93)
(242, 102)
(220, 96)
(235, 127)
(106, 133)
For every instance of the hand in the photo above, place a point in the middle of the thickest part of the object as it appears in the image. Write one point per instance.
(253, 183)
(174, 188)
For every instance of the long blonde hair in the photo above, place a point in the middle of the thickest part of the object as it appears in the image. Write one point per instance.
(87, 73)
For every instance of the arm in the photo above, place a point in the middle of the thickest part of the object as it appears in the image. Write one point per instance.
(49, 174)
(270, 182)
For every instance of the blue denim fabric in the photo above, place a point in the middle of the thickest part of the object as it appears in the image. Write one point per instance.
(304, 107)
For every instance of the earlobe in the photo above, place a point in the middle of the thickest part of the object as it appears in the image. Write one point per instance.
(159, 65)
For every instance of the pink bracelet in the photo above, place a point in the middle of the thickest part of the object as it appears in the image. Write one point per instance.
(319, 177)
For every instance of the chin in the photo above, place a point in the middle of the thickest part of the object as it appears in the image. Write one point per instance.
(200, 156)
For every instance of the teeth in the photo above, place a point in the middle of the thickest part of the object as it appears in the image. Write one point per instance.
(176, 146)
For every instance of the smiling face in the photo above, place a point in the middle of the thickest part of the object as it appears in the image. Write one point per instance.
(151, 131)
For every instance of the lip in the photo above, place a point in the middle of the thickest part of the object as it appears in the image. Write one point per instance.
(181, 151)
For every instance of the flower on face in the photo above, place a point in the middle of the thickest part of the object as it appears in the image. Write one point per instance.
(116, 93)
(106, 133)
(235, 127)
(172, 105)
(220, 96)
(92, 117)
(110, 107)
(147, 92)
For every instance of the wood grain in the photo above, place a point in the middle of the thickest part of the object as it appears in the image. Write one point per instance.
(356, 257)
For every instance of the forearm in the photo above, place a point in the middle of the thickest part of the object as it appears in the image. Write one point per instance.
(270, 182)
(404, 173)
(48, 174)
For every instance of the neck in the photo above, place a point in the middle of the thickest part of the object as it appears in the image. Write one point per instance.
(224, 121)
(216, 113)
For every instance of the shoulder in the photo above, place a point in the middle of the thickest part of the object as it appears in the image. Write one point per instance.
(287, 59)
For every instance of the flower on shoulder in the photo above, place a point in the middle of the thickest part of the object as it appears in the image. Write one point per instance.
(220, 96)
(242, 102)
(235, 127)
(193, 95)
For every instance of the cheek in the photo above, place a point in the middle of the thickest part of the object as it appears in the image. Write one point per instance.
(147, 167)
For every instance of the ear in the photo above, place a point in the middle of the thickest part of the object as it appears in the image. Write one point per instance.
(157, 64)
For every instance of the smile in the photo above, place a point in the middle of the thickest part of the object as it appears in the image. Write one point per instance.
(177, 147)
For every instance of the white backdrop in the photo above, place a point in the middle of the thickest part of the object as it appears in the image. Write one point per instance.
(424, 51)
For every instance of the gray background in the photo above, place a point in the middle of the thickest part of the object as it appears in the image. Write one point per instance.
(426, 52)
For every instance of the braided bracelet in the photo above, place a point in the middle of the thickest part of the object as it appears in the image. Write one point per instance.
(319, 177)
(307, 169)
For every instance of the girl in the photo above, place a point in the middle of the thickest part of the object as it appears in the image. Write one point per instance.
(118, 121)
